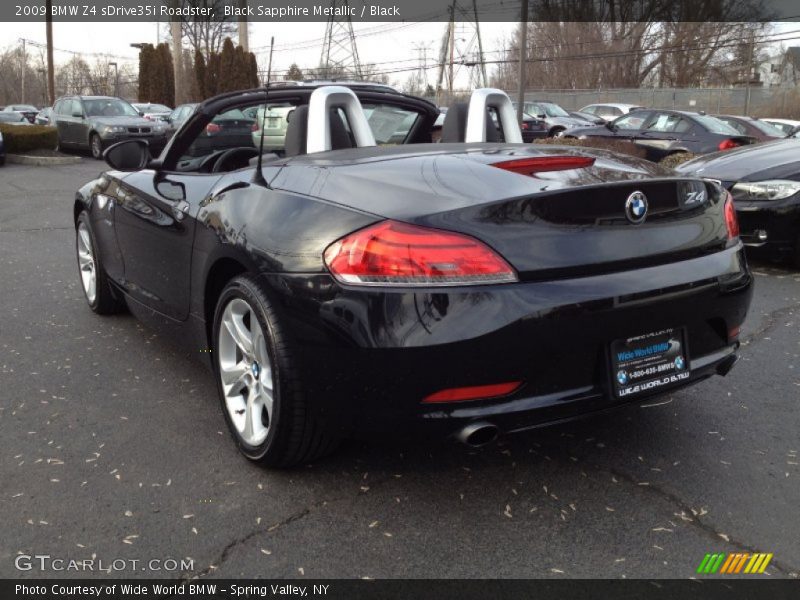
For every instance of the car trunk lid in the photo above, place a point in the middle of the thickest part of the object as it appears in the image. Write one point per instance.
(548, 224)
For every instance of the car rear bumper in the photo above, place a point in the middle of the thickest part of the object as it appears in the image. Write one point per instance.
(369, 358)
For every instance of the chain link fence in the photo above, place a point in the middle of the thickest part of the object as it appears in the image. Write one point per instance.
(779, 102)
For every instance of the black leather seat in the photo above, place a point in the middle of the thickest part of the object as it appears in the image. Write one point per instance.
(297, 132)
(454, 128)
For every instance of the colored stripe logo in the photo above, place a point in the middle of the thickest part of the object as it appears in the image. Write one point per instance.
(734, 563)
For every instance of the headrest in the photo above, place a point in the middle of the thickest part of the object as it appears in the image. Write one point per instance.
(454, 128)
(297, 132)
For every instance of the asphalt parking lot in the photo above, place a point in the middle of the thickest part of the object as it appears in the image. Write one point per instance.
(113, 447)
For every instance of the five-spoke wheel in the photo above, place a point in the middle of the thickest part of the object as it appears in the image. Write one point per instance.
(245, 370)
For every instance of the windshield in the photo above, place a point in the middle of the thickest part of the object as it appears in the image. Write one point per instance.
(768, 129)
(545, 108)
(109, 107)
(10, 117)
(153, 108)
(714, 125)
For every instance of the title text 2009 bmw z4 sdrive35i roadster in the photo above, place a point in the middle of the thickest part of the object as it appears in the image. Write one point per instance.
(350, 277)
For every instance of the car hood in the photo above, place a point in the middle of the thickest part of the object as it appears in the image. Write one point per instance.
(122, 121)
(770, 160)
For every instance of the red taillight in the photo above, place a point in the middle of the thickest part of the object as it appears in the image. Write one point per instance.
(149, 117)
(392, 253)
(525, 126)
(728, 144)
(730, 218)
(254, 127)
(733, 333)
(213, 128)
(475, 392)
(539, 164)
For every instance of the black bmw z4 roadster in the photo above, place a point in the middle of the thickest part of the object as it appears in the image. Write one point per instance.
(350, 277)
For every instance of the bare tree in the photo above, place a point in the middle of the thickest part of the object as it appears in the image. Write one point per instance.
(205, 33)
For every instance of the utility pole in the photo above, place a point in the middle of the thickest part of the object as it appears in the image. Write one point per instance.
(523, 51)
(244, 34)
(24, 68)
(177, 55)
(51, 78)
(467, 34)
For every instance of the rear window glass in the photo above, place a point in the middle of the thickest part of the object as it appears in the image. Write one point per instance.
(714, 125)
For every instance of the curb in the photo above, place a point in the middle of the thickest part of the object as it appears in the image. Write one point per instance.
(42, 161)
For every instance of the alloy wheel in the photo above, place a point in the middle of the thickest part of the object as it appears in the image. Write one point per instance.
(86, 262)
(246, 372)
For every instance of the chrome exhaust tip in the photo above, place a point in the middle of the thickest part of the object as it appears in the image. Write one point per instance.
(478, 434)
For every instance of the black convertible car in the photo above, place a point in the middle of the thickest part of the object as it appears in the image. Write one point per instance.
(355, 284)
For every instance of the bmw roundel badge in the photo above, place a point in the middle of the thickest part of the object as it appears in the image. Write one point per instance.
(636, 207)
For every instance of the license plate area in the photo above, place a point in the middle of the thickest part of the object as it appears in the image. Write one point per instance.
(649, 362)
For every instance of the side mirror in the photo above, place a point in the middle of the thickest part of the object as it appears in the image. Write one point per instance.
(610, 126)
(77, 115)
(130, 155)
(542, 116)
(141, 114)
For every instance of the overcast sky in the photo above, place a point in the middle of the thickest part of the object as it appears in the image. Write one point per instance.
(392, 45)
(377, 42)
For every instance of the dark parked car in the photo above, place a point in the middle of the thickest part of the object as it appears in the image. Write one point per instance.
(663, 132)
(231, 129)
(2, 150)
(533, 128)
(180, 115)
(96, 122)
(45, 116)
(556, 118)
(461, 288)
(765, 183)
(26, 110)
(761, 130)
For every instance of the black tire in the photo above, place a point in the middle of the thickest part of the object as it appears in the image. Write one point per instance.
(294, 436)
(104, 302)
(555, 131)
(96, 146)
